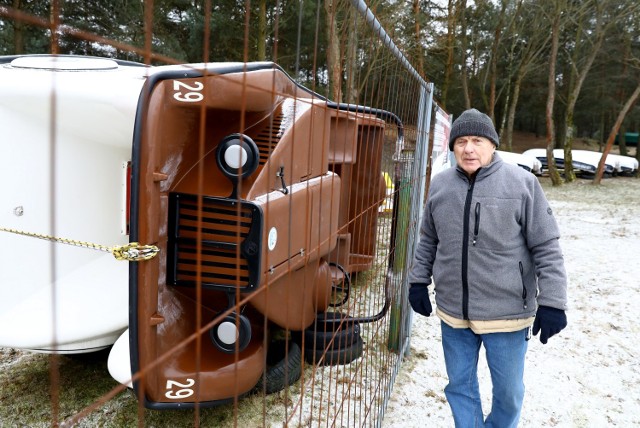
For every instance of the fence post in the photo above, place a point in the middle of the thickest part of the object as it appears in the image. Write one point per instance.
(402, 208)
(420, 163)
(417, 180)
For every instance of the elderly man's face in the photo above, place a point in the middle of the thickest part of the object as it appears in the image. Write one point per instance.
(473, 152)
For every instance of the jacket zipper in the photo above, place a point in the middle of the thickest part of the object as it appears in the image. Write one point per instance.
(477, 224)
(524, 288)
(465, 250)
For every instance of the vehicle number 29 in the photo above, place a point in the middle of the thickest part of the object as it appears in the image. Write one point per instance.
(177, 390)
(187, 93)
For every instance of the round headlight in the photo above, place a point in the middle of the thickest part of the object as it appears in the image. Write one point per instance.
(237, 156)
(231, 333)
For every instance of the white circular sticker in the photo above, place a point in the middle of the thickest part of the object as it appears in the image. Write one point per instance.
(273, 238)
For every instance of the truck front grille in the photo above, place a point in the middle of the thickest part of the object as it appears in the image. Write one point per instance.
(230, 235)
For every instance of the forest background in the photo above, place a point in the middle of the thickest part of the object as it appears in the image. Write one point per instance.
(559, 69)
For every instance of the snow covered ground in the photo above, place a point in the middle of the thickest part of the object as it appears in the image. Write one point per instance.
(589, 374)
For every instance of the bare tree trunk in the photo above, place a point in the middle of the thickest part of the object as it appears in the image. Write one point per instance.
(510, 65)
(569, 173)
(512, 109)
(612, 135)
(556, 180)
(494, 62)
(536, 46)
(261, 47)
(351, 91)
(622, 140)
(599, 33)
(418, 38)
(638, 157)
(54, 22)
(18, 31)
(451, 25)
(463, 41)
(601, 126)
(503, 120)
(148, 31)
(333, 52)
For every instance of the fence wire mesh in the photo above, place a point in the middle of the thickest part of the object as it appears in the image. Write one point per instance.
(278, 297)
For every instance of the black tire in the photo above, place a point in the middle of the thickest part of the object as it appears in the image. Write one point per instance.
(283, 368)
(335, 356)
(337, 327)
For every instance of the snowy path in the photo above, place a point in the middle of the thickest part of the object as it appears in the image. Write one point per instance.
(588, 375)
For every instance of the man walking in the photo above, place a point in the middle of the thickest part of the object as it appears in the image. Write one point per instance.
(490, 242)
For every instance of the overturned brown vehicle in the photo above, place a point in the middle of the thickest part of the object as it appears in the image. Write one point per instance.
(263, 198)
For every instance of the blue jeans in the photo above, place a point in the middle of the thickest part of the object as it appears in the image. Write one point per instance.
(505, 358)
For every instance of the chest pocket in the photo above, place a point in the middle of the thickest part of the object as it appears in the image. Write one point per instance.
(496, 223)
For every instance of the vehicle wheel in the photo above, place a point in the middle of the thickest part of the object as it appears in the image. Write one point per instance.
(332, 356)
(332, 326)
(283, 368)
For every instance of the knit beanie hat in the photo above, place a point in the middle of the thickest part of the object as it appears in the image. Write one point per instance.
(473, 123)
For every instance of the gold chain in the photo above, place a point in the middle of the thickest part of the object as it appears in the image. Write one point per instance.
(132, 252)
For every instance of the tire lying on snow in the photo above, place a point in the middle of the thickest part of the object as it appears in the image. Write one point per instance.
(284, 366)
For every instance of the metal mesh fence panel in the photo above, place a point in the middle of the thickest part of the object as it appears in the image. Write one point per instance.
(257, 176)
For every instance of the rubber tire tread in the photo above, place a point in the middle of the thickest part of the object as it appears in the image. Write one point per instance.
(328, 325)
(334, 357)
(284, 371)
(345, 336)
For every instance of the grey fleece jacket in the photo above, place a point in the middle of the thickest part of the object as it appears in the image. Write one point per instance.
(491, 245)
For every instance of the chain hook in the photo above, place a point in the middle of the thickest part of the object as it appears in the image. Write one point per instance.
(134, 252)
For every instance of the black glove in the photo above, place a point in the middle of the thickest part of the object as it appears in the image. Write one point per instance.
(549, 321)
(419, 299)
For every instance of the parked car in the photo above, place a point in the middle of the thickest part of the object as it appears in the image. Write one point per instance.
(529, 163)
(625, 165)
(585, 162)
(251, 198)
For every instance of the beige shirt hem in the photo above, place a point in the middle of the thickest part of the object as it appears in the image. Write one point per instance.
(484, 327)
